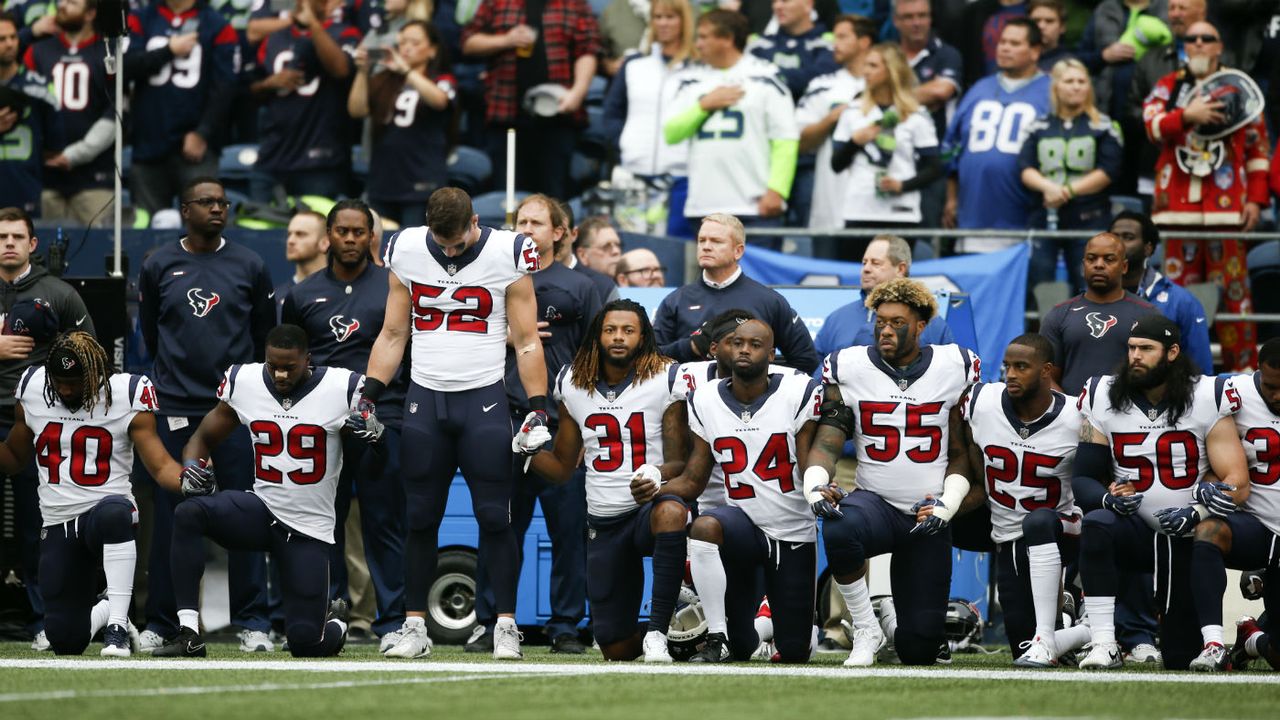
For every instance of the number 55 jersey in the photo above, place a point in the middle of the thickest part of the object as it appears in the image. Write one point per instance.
(297, 451)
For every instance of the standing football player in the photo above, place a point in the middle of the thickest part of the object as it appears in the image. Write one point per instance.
(74, 408)
(459, 289)
(898, 401)
(295, 415)
(615, 402)
(756, 426)
(1149, 435)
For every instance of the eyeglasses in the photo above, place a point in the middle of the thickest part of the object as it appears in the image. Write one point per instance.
(647, 271)
(208, 202)
(1206, 39)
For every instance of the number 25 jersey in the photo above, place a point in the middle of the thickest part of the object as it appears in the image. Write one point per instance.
(902, 418)
(458, 305)
(297, 449)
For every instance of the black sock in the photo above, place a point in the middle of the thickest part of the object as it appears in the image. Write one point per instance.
(668, 572)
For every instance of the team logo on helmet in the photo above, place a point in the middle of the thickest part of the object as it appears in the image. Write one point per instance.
(1099, 324)
(343, 328)
(202, 302)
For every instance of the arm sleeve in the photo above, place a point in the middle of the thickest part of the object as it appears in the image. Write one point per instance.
(783, 155)
(101, 135)
(138, 61)
(1091, 473)
(842, 154)
(928, 169)
(684, 124)
(263, 316)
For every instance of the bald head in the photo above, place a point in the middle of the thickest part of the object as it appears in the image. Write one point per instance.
(640, 268)
(1104, 264)
(1182, 13)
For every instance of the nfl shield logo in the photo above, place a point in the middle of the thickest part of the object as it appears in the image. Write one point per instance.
(902, 384)
(452, 269)
(1023, 432)
(746, 416)
(611, 396)
(591, 533)
(413, 407)
(286, 403)
(1151, 414)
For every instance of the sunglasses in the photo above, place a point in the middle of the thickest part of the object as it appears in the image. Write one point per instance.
(207, 203)
(1206, 39)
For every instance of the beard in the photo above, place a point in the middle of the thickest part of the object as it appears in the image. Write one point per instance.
(1154, 377)
(751, 372)
(620, 362)
(1199, 66)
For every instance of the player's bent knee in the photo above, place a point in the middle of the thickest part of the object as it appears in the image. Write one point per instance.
(669, 514)
(707, 529)
(114, 517)
(65, 640)
(1216, 532)
(493, 518)
(916, 649)
(1040, 527)
(190, 516)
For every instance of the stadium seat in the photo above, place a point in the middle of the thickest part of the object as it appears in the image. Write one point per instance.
(1126, 202)
(1209, 295)
(491, 207)
(1049, 294)
(469, 168)
(235, 166)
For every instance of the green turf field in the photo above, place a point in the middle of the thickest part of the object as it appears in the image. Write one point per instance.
(362, 686)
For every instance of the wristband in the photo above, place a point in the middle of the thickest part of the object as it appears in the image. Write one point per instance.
(538, 404)
(1071, 193)
(373, 389)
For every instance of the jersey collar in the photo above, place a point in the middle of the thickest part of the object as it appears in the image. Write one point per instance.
(904, 378)
(457, 262)
(290, 401)
(175, 19)
(611, 392)
(745, 412)
(1152, 412)
(1024, 429)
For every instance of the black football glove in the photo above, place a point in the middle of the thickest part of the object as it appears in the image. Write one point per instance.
(933, 524)
(197, 479)
(1122, 505)
(822, 507)
(1215, 498)
(363, 422)
(1178, 522)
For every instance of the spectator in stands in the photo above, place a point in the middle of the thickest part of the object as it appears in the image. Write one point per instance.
(800, 48)
(984, 23)
(1051, 17)
(887, 257)
(380, 21)
(723, 285)
(27, 134)
(597, 248)
(242, 125)
(410, 100)
(984, 189)
(623, 26)
(559, 47)
(79, 183)
(306, 245)
(1185, 199)
(1069, 160)
(762, 21)
(181, 96)
(36, 19)
(640, 268)
(1245, 26)
(1140, 238)
(887, 142)
(742, 157)
(641, 95)
(305, 73)
(819, 109)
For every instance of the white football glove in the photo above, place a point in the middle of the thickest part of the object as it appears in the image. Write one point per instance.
(533, 434)
(650, 473)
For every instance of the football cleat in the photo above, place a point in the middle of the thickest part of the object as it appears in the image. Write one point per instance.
(340, 612)
(389, 641)
(187, 643)
(1213, 658)
(1037, 653)
(115, 642)
(866, 643)
(1102, 656)
(506, 641)
(567, 644)
(255, 641)
(1143, 653)
(149, 641)
(715, 651)
(655, 648)
(767, 650)
(944, 653)
(40, 643)
(413, 643)
(481, 640)
(1246, 627)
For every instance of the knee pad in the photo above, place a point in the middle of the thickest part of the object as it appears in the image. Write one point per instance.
(189, 515)
(114, 517)
(1095, 531)
(493, 518)
(1041, 527)
(845, 553)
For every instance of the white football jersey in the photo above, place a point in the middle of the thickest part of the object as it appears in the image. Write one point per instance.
(824, 93)
(861, 202)
(82, 458)
(729, 155)
(1259, 430)
(1027, 466)
(1163, 461)
(755, 448)
(688, 377)
(621, 430)
(458, 305)
(902, 419)
(297, 449)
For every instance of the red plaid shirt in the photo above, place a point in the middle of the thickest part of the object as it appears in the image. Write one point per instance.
(569, 31)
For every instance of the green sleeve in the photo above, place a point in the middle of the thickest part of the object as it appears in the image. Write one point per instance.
(782, 165)
(682, 126)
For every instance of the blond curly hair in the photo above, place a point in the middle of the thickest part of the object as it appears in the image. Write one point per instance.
(911, 293)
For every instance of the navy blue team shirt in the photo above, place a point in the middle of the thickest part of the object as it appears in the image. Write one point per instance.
(1091, 338)
(79, 76)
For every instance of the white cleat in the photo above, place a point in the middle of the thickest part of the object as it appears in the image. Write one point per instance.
(655, 648)
(1213, 658)
(389, 640)
(765, 651)
(255, 641)
(1143, 653)
(1102, 656)
(506, 641)
(1037, 653)
(149, 641)
(866, 643)
(116, 641)
(40, 643)
(412, 643)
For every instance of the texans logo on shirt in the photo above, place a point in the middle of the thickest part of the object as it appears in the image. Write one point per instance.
(201, 302)
(1099, 324)
(343, 328)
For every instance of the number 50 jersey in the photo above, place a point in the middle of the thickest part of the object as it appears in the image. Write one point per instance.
(297, 451)
(82, 457)
(902, 418)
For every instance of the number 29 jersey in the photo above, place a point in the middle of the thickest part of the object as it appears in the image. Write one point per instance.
(621, 430)
(458, 305)
(902, 418)
(82, 458)
(1027, 466)
(1259, 430)
(297, 449)
(1163, 461)
(755, 447)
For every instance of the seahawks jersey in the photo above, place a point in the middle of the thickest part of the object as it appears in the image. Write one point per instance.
(1260, 434)
(824, 93)
(1027, 465)
(297, 449)
(82, 457)
(1163, 461)
(621, 430)
(729, 155)
(689, 376)
(755, 447)
(458, 305)
(902, 417)
(914, 138)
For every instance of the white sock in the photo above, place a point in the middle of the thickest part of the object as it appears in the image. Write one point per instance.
(342, 627)
(1070, 639)
(709, 578)
(98, 616)
(505, 622)
(1046, 573)
(189, 619)
(858, 599)
(1102, 618)
(413, 621)
(118, 560)
(890, 624)
(1251, 644)
(764, 628)
(1211, 634)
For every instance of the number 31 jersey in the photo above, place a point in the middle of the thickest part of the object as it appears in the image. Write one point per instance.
(621, 430)
(297, 449)
(755, 447)
(82, 458)
(902, 418)
(458, 305)
(1163, 461)
(1027, 466)
(1259, 430)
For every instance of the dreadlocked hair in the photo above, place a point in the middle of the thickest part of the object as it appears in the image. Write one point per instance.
(909, 292)
(95, 368)
(649, 362)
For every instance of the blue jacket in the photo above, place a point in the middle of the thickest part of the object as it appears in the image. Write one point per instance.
(853, 324)
(1179, 305)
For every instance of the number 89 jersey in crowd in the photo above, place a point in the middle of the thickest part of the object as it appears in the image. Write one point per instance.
(297, 451)
(82, 457)
(755, 447)
(1163, 461)
(1259, 430)
(902, 418)
(1027, 466)
(621, 430)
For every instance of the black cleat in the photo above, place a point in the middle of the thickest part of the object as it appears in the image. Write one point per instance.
(567, 644)
(187, 643)
(481, 640)
(715, 651)
(340, 610)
